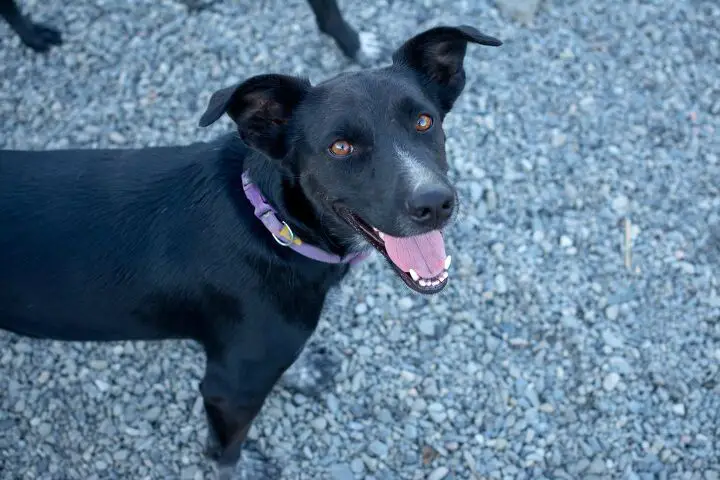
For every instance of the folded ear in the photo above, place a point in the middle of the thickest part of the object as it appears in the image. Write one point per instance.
(261, 107)
(437, 55)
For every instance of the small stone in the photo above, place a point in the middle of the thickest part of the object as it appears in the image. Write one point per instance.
(361, 309)
(712, 475)
(501, 444)
(679, 409)
(611, 381)
(342, 471)
(491, 199)
(439, 473)
(378, 448)
(565, 241)
(189, 472)
(427, 327)
(620, 204)
(411, 431)
(500, 284)
(558, 139)
(419, 405)
(122, 455)
(384, 416)
(405, 303)
(319, 423)
(532, 396)
(357, 466)
(333, 403)
(117, 138)
(153, 414)
(611, 338)
(437, 412)
(580, 466)
(98, 364)
(597, 467)
(621, 365)
(44, 429)
(612, 312)
(687, 267)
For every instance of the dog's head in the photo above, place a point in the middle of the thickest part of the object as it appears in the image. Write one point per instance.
(368, 147)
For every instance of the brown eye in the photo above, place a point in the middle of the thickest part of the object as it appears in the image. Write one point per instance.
(341, 148)
(424, 122)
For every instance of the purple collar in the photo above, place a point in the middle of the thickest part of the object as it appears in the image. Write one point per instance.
(282, 233)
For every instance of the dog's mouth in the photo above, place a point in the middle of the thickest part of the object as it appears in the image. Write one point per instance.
(419, 260)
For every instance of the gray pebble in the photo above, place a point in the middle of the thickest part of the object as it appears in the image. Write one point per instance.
(342, 472)
(611, 381)
(378, 448)
(427, 327)
(439, 473)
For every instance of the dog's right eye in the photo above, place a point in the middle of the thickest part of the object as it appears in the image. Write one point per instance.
(341, 148)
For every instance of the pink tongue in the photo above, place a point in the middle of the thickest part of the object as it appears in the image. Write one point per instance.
(423, 253)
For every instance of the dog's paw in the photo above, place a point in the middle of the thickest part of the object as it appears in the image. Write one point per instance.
(253, 465)
(40, 37)
(370, 49)
(213, 450)
(313, 372)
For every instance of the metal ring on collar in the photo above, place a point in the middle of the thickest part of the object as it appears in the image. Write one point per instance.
(283, 242)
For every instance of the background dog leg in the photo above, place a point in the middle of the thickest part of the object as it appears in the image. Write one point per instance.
(364, 48)
(37, 36)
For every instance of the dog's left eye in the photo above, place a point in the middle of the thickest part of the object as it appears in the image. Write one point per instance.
(341, 148)
(423, 123)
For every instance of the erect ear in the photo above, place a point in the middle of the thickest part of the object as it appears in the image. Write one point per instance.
(261, 107)
(437, 55)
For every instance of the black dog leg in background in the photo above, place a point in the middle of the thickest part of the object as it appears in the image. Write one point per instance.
(331, 22)
(37, 36)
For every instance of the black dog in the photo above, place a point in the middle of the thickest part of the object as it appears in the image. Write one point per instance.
(236, 243)
(330, 21)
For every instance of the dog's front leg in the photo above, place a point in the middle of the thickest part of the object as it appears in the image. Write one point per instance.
(228, 427)
(238, 378)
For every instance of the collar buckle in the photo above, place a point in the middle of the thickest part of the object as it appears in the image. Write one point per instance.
(281, 240)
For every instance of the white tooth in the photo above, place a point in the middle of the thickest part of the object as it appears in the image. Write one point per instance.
(414, 275)
(443, 276)
(435, 283)
(448, 259)
(382, 235)
(423, 283)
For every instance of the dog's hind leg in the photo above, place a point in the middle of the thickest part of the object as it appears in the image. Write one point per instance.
(37, 36)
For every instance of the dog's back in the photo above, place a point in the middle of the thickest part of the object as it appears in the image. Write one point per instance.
(95, 231)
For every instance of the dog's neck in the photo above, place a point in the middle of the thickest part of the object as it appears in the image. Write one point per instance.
(284, 193)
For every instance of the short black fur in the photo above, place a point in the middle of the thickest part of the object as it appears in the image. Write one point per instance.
(161, 243)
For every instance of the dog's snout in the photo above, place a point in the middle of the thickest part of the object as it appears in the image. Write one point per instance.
(431, 205)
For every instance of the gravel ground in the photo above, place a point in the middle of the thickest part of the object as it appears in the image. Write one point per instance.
(546, 357)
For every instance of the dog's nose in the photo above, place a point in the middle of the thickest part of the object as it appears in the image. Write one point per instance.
(431, 205)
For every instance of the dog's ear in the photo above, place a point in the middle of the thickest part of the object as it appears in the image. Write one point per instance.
(261, 107)
(437, 55)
